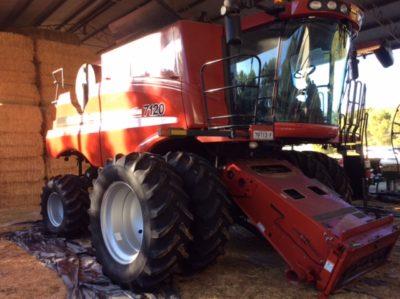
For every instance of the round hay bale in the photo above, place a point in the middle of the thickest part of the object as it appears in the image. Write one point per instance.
(17, 77)
(21, 145)
(17, 93)
(8, 39)
(21, 170)
(20, 119)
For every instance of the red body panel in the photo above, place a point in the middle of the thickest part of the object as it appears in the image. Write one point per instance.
(162, 69)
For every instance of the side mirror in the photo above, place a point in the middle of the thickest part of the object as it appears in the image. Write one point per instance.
(385, 55)
(233, 30)
(354, 67)
(233, 26)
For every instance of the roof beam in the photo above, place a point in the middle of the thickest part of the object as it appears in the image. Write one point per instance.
(52, 8)
(104, 27)
(76, 12)
(17, 11)
(369, 5)
(103, 7)
(190, 6)
(169, 8)
(383, 22)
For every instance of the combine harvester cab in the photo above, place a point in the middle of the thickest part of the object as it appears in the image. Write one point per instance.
(323, 239)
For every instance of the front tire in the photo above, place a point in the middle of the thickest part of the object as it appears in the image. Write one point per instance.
(340, 180)
(208, 204)
(64, 205)
(138, 220)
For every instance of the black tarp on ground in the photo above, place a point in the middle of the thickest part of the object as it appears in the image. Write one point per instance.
(76, 264)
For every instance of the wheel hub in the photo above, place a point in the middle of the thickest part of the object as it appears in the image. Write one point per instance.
(55, 209)
(121, 221)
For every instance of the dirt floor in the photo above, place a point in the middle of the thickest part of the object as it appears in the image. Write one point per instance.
(250, 269)
(21, 274)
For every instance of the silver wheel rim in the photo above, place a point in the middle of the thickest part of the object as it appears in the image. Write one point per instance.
(121, 221)
(55, 209)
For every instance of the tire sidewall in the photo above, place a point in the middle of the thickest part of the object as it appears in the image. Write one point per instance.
(116, 271)
(52, 188)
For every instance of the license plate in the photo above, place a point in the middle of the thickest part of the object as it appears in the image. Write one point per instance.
(263, 135)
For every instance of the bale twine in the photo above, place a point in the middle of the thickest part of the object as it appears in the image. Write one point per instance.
(20, 119)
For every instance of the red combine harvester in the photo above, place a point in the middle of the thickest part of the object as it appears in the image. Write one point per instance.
(184, 130)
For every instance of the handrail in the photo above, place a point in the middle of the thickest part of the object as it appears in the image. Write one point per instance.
(394, 135)
(205, 91)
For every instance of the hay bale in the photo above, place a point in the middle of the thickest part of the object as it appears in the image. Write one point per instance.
(15, 53)
(17, 93)
(15, 201)
(20, 119)
(8, 39)
(59, 166)
(49, 116)
(21, 145)
(17, 66)
(47, 81)
(21, 189)
(48, 95)
(21, 170)
(7, 76)
(51, 51)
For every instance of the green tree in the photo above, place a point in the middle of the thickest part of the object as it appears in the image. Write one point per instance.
(379, 126)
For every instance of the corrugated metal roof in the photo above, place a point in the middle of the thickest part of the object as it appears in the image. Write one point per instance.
(90, 19)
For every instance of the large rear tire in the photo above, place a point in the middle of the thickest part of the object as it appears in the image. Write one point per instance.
(64, 206)
(138, 220)
(310, 167)
(340, 180)
(208, 204)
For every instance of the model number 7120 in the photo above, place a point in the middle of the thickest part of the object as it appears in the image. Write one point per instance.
(153, 110)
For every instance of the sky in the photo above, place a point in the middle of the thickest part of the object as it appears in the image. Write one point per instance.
(383, 85)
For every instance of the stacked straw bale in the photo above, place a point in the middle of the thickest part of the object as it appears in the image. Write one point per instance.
(17, 70)
(50, 56)
(21, 143)
(21, 155)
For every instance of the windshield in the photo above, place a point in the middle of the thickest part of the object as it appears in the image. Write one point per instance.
(303, 70)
